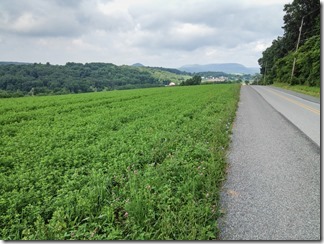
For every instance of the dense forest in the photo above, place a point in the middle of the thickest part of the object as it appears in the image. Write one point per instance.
(294, 58)
(45, 79)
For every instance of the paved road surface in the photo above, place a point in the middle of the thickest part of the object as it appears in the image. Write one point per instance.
(303, 113)
(272, 190)
(304, 96)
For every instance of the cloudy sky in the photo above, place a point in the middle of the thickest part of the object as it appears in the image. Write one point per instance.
(168, 33)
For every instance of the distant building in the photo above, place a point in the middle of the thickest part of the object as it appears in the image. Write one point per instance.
(216, 79)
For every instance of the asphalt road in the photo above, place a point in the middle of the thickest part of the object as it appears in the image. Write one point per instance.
(272, 191)
(303, 113)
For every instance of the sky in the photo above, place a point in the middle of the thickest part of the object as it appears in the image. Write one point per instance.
(166, 33)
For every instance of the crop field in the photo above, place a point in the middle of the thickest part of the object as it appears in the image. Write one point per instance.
(142, 164)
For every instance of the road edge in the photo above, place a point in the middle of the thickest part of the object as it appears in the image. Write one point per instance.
(300, 95)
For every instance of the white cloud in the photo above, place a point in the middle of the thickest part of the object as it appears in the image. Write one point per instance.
(161, 32)
(261, 45)
(189, 29)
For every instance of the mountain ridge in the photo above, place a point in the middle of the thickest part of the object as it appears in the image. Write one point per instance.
(138, 65)
(13, 62)
(230, 68)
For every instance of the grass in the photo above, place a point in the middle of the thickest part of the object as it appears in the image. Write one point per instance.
(141, 164)
(311, 91)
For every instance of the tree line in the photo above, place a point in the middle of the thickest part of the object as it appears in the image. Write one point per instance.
(196, 80)
(45, 79)
(294, 58)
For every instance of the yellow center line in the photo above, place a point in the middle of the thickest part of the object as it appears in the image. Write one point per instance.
(297, 103)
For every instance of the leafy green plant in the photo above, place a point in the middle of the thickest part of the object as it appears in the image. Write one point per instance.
(124, 165)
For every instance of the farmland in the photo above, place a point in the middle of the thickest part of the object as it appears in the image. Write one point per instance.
(135, 164)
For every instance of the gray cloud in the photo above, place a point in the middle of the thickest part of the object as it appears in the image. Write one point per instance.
(231, 25)
(126, 31)
(38, 18)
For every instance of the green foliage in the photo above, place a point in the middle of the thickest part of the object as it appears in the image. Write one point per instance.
(196, 80)
(277, 60)
(308, 62)
(45, 79)
(122, 165)
(166, 75)
(307, 68)
(309, 11)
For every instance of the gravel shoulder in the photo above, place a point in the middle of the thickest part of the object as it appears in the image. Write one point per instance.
(272, 191)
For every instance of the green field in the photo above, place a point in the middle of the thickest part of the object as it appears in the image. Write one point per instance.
(135, 164)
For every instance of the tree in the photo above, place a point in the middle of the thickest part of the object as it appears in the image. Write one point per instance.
(72, 78)
(309, 11)
(196, 80)
(277, 60)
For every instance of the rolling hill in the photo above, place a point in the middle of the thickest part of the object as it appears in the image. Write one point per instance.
(229, 68)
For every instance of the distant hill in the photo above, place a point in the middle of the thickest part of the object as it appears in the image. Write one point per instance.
(171, 70)
(230, 68)
(44, 79)
(16, 63)
(138, 65)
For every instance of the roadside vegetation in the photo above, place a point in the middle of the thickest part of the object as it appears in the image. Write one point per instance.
(144, 164)
(311, 91)
(300, 42)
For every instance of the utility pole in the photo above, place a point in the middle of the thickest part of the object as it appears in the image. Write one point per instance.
(293, 68)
